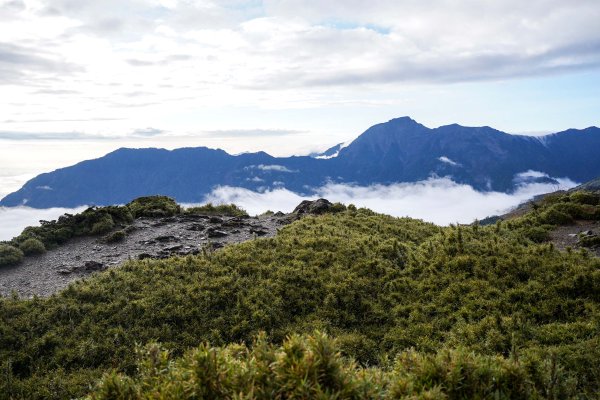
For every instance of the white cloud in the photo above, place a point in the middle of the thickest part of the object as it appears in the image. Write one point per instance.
(438, 200)
(446, 160)
(203, 52)
(13, 220)
(532, 174)
(273, 167)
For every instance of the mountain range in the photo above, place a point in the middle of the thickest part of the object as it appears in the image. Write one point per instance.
(400, 150)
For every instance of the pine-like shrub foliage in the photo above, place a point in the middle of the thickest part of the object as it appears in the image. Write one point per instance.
(312, 367)
(32, 246)
(219, 209)
(379, 285)
(154, 206)
(10, 255)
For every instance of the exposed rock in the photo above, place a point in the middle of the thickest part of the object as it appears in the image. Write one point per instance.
(315, 207)
(258, 230)
(93, 266)
(166, 238)
(215, 220)
(214, 233)
(235, 223)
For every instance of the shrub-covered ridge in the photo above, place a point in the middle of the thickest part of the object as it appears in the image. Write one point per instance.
(379, 285)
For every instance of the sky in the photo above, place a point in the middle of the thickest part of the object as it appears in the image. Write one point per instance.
(80, 78)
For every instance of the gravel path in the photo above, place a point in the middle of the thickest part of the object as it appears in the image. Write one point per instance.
(52, 271)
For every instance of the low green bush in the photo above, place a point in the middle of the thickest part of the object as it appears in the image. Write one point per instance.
(537, 234)
(554, 216)
(312, 367)
(32, 246)
(337, 207)
(589, 240)
(220, 209)
(104, 225)
(584, 197)
(154, 206)
(9, 255)
(117, 236)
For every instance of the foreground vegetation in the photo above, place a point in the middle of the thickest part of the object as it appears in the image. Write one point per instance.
(312, 367)
(425, 312)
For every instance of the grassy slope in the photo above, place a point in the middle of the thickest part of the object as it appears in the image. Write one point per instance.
(378, 284)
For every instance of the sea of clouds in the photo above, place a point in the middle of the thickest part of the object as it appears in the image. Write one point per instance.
(438, 200)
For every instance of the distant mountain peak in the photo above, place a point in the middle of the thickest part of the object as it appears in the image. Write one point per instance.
(400, 150)
(406, 121)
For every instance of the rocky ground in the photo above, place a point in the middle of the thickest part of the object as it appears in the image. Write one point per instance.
(567, 236)
(180, 235)
(183, 234)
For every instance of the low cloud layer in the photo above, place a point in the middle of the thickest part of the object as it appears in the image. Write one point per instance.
(439, 200)
(14, 220)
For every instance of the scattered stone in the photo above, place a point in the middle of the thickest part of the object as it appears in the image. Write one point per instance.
(315, 207)
(258, 230)
(166, 238)
(235, 222)
(93, 266)
(196, 228)
(214, 233)
(215, 220)
(173, 248)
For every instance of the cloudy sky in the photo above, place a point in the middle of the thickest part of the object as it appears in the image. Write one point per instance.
(80, 78)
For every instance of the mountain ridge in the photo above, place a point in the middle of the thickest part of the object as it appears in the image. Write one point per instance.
(400, 150)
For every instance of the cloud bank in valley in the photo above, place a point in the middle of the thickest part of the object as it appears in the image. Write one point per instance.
(14, 220)
(438, 200)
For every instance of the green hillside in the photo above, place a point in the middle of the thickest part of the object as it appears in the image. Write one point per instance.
(424, 312)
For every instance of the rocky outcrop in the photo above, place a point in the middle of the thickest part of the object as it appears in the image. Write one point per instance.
(145, 238)
(315, 207)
